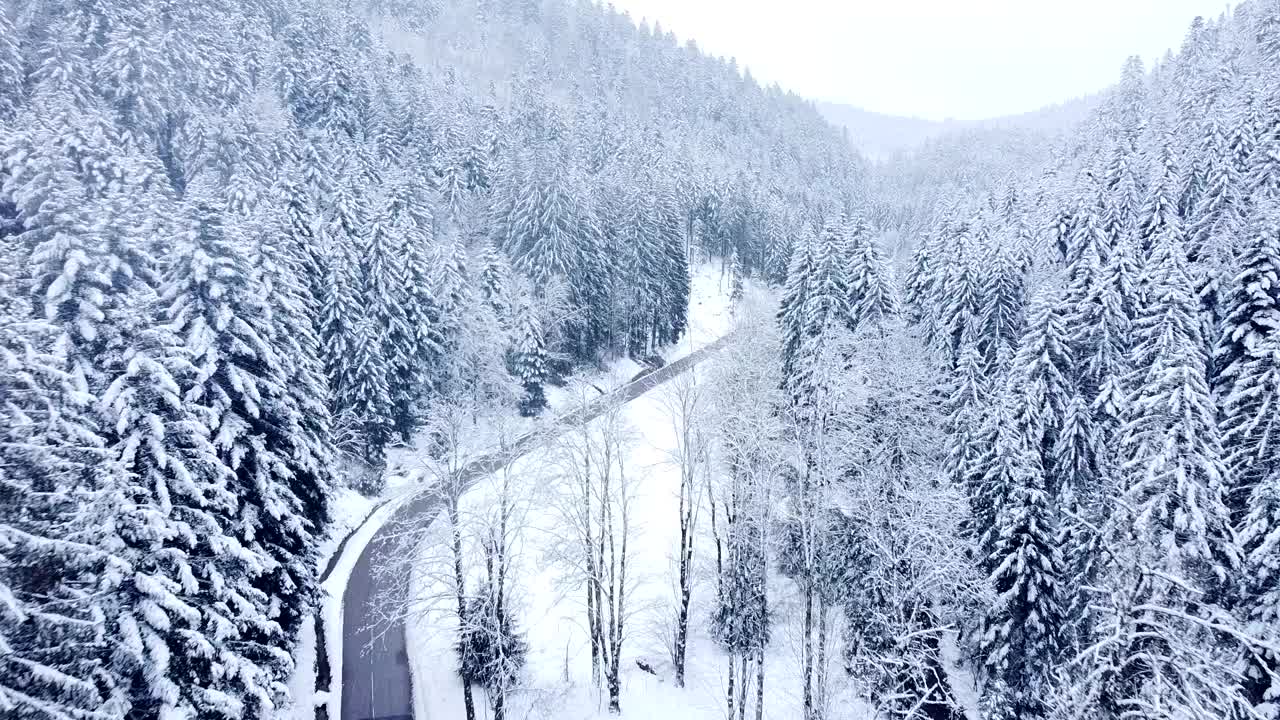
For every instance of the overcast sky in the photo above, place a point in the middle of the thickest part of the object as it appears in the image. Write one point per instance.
(965, 59)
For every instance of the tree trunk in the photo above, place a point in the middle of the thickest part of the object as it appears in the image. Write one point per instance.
(742, 689)
(686, 579)
(759, 684)
(593, 589)
(459, 579)
(820, 665)
(806, 652)
(500, 703)
(500, 599)
(731, 693)
(715, 532)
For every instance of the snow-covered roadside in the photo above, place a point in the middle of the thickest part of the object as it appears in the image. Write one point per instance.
(557, 680)
(710, 310)
(409, 466)
(710, 317)
(351, 510)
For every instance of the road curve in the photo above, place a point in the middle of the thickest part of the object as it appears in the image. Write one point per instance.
(376, 682)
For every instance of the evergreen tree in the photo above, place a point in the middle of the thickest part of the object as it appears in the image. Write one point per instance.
(1021, 630)
(673, 274)
(280, 270)
(1042, 370)
(1173, 467)
(794, 297)
(1160, 210)
(341, 315)
(385, 303)
(367, 398)
(219, 314)
(411, 220)
(1249, 379)
(178, 648)
(871, 293)
(531, 361)
(1248, 387)
(959, 296)
(1003, 462)
(493, 279)
(826, 288)
(1003, 305)
(54, 508)
(11, 70)
(967, 402)
(917, 288)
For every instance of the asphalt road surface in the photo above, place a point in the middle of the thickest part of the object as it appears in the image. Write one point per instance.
(375, 667)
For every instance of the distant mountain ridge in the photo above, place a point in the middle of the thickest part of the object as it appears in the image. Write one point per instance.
(879, 136)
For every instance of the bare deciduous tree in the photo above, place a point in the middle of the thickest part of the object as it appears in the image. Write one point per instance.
(596, 510)
(744, 397)
(686, 406)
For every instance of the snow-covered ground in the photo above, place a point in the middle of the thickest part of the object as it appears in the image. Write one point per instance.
(710, 315)
(548, 598)
(349, 509)
(710, 310)
(550, 610)
(409, 470)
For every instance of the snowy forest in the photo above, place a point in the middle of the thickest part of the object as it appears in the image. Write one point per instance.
(991, 432)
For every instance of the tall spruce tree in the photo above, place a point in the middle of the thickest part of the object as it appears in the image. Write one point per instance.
(223, 321)
(1248, 387)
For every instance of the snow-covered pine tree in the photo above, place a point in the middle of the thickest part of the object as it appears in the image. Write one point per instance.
(1021, 630)
(1003, 307)
(63, 190)
(453, 289)
(1080, 460)
(871, 293)
(530, 360)
(827, 287)
(411, 220)
(1173, 467)
(341, 315)
(302, 228)
(794, 297)
(1248, 381)
(1160, 210)
(176, 613)
(1093, 339)
(958, 294)
(368, 397)
(917, 286)
(494, 280)
(385, 302)
(223, 321)
(1042, 372)
(1125, 184)
(672, 270)
(1248, 388)
(966, 404)
(11, 70)
(544, 224)
(279, 271)
(55, 505)
(1004, 458)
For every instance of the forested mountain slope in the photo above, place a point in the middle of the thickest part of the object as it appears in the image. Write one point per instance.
(243, 241)
(1106, 327)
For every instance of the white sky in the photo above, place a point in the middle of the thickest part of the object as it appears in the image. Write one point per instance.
(965, 59)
